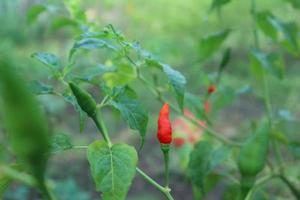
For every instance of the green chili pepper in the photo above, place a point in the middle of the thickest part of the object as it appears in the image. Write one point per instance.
(252, 158)
(25, 123)
(85, 100)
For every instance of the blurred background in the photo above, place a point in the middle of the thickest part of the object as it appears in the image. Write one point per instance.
(172, 31)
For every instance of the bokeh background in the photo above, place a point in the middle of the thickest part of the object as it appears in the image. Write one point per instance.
(171, 30)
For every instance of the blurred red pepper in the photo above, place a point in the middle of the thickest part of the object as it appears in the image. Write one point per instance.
(164, 130)
(211, 89)
(179, 141)
(206, 106)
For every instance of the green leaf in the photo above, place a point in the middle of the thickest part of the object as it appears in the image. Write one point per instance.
(60, 142)
(194, 103)
(61, 22)
(272, 63)
(25, 122)
(122, 75)
(131, 110)
(289, 32)
(217, 4)
(82, 115)
(178, 82)
(34, 12)
(273, 26)
(112, 168)
(280, 137)
(211, 43)
(90, 74)
(176, 79)
(218, 156)
(225, 59)
(199, 163)
(48, 59)
(263, 22)
(89, 44)
(39, 88)
(203, 159)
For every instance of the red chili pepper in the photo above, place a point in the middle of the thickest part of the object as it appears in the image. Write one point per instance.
(206, 106)
(211, 89)
(179, 141)
(164, 130)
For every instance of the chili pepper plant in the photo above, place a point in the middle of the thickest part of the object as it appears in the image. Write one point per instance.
(191, 138)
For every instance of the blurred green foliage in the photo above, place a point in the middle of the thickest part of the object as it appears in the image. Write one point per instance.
(175, 32)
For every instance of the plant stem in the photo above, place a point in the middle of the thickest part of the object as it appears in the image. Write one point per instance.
(267, 98)
(165, 151)
(102, 128)
(255, 34)
(269, 115)
(27, 180)
(164, 190)
(293, 189)
(166, 158)
(19, 176)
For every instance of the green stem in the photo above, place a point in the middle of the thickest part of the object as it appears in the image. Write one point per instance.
(47, 193)
(165, 149)
(27, 180)
(102, 128)
(255, 34)
(293, 189)
(19, 176)
(267, 98)
(269, 115)
(164, 190)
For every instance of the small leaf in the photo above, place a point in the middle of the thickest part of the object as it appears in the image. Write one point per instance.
(263, 22)
(199, 163)
(48, 59)
(177, 80)
(272, 63)
(122, 75)
(281, 137)
(39, 88)
(89, 74)
(89, 44)
(112, 168)
(60, 142)
(272, 26)
(217, 4)
(225, 59)
(218, 156)
(34, 12)
(211, 43)
(131, 110)
(203, 159)
(61, 22)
